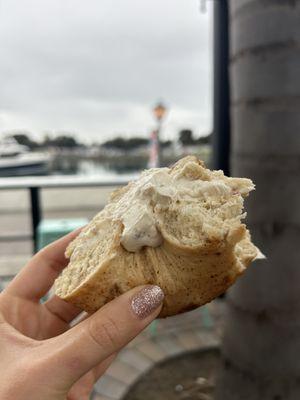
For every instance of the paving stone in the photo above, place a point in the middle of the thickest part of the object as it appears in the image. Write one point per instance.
(182, 321)
(189, 339)
(138, 339)
(169, 344)
(208, 338)
(152, 350)
(123, 372)
(99, 397)
(135, 358)
(110, 387)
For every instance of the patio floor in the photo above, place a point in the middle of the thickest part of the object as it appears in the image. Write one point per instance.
(197, 329)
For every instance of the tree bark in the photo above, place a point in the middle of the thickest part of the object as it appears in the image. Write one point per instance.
(261, 346)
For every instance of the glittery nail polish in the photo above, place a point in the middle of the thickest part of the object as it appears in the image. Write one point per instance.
(146, 301)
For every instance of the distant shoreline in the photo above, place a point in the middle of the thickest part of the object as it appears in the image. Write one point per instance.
(65, 162)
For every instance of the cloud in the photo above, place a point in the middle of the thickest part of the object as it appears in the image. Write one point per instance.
(96, 68)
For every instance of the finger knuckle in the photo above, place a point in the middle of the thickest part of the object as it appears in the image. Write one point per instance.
(105, 333)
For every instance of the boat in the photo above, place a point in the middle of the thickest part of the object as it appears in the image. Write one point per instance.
(18, 160)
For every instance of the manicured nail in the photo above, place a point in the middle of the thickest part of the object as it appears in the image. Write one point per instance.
(147, 300)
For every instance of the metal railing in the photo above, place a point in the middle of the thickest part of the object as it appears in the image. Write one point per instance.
(35, 184)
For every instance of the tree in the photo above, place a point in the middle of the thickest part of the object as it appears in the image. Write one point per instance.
(24, 139)
(165, 143)
(64, 140)
(186, 137)
(125, 144)
(262, 338)
(204, 139)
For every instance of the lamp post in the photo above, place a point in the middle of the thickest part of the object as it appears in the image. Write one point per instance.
(159, 112)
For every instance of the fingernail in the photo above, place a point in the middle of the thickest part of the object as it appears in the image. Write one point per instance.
(146, 301)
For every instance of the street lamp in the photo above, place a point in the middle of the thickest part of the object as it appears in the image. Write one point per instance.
(159, 112)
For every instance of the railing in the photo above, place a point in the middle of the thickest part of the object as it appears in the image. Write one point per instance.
(35, 184)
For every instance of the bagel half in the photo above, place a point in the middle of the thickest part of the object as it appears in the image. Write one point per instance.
(179, 228)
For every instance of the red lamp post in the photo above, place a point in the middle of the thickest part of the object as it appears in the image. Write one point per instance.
(159, 112)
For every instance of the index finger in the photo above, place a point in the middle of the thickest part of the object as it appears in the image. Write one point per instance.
(39, 274)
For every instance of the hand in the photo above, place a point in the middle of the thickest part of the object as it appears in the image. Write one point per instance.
(41, 356)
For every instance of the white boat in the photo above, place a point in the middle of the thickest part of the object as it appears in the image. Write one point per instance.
(18, 160)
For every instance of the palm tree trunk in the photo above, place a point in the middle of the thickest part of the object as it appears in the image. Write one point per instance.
(261, 345)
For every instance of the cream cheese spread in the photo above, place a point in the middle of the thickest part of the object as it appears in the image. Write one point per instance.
(135, 209)
(158, 188)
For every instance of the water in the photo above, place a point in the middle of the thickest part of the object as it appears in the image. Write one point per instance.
(94, 168)
(89, 167)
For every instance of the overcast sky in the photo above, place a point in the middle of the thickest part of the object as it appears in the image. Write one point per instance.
(96, 67)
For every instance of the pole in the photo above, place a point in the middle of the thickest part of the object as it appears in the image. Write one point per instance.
(35, 213)
(221, 106)
(159, 155)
